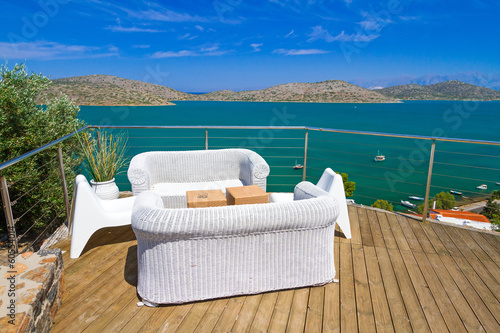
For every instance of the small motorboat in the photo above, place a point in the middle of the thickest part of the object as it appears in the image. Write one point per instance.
(498, 183)
(298, 165)
(482, 187)
(412, 197)
(455, 192)
(379, 157)
(408, 204)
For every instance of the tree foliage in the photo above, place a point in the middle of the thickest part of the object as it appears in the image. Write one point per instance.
(492, 210)
(349, 187)
(25, 124)
(383, 204)
(444, 200)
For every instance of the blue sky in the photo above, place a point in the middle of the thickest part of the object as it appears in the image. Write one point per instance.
(201, 46)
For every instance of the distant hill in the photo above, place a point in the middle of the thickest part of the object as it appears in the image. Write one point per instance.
(325, 91)
(112, 90)
(449, 90)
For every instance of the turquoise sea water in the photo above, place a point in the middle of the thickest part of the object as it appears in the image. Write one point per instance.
(457, 166)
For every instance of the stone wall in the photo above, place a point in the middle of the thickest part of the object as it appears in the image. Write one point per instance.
(31, 287)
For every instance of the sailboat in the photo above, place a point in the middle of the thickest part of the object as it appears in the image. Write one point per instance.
(379, 158)
(297, 165)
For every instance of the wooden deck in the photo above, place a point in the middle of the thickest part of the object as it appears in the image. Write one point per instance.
(395, 275)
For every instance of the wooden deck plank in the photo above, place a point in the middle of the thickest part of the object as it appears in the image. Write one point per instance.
(104, 315)
(263, 315)
(85, 304)
(211, 316)
(378, 238)
(157, 319)
(175, 318)
(385, 228)
(364, 309)
(192, 319)
(397, 232)
(493, 239)
(136, 319)
(298, 311)
(400, 319)
(472, 244)
(492, 252)
(420, 234)
(475, 302)
(314, 317)
(364, 225)
(354, 222)
(443, 302)
(279, 319)
(348, 316)
(480, 287)
(448, 243)
(247, 313)
(438, 246)
(331, 315)
(457, 299)
(228, 317)
(381, 312)
(409, 234)
(413, 307)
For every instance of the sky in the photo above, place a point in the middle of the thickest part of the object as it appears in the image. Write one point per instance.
(203, 46)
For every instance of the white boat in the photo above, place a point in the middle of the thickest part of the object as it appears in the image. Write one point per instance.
(379, 158)
(498, 183)
(297, 165)
(482, 187)
(408, 204)
(416, 198)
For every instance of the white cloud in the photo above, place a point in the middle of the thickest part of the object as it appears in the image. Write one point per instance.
(164, 15)
(320, 33)
(199, 27)
(374, 23)
(205, 50)
(299, 52)
(141, 46)
(256, 47)
(290, 33)
(42, 50)
(132, 29)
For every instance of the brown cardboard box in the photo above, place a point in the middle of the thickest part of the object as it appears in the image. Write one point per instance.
(244, 195)
(205, 198)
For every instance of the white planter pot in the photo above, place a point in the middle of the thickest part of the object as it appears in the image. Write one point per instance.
(106, 190)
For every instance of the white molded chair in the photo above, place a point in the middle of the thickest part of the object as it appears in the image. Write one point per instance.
(332, 183)
(90, 213)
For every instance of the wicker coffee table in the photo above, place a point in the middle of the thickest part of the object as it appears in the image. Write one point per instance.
(243, 195)
(205, 198)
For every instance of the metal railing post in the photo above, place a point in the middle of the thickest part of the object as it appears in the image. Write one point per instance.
(305, 156)
(63, 183)
(428, 187)
(7, 207)
(206, 138)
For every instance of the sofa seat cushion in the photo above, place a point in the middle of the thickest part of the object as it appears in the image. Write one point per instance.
(174, 194)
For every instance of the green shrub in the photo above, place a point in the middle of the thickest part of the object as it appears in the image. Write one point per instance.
(349, 187)
(35, 183)
(383, 204)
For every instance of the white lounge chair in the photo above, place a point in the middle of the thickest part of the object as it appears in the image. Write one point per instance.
(332, 183)
(90, 213)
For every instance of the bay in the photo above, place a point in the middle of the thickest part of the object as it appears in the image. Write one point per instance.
(457, 166)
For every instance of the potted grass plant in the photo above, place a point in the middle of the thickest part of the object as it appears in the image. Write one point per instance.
(104, 158)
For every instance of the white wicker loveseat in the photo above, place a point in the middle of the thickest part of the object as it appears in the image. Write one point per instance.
(193, 254)
(172, 173)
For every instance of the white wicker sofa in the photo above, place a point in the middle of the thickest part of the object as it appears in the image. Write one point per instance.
(193, 254)
(172, 173)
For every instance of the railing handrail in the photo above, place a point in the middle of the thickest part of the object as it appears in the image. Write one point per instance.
(39, 149)
(321, 129)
